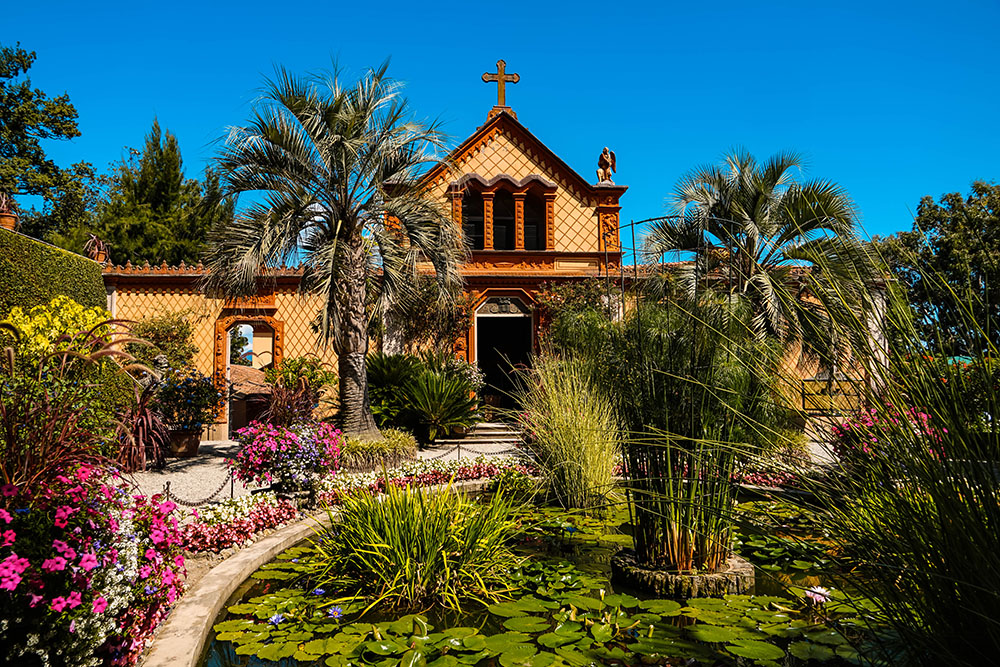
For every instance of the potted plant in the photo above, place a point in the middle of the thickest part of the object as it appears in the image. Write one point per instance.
(187, 400)
(8, 212)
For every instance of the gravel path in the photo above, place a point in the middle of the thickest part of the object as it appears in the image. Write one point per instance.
(193, 480)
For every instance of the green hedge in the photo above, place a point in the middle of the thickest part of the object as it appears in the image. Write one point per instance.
(32, 273)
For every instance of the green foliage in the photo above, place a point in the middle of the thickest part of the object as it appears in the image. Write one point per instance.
(437, 403)
(187, 399)
(151, 212)
(919, 517)
(750, 229)
(27, 117)
(363, 454)
(237, 344)
(56, 406)
(170, 334)
(388, 377)
(411, 547)
(949, 269)
(292, 370)
(576, 313)
(44, 328)
(431, 316)
(571, 429)
(32, 273)
(428, 394)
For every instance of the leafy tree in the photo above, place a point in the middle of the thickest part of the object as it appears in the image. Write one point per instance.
(170, 334)
(752, 229)
(151, 212)
(949, 266)
(428, 321)
(334, 171)
(238, 343)
(27, 117)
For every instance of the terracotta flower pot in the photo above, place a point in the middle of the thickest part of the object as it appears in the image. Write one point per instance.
(8, 221)
(184, 444)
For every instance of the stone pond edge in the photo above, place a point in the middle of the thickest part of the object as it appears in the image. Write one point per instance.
(181, 640)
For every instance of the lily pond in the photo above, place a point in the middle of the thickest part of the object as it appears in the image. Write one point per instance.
(563, 609)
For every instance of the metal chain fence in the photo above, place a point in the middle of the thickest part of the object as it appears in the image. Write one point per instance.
(207, 499)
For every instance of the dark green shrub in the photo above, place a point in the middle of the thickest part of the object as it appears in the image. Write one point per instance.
(437, 403)
(360, 455)
(187, 400)
(388, 376)
(33, 273)
(169, 334)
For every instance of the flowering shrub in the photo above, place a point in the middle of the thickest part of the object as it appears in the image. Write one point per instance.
(287, 456)
(858, 438)
(86, 571)
(187, 399)
(422, 473)
(235, 521)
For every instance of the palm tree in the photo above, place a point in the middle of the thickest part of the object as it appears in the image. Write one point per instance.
(332, 172)
(754, 231)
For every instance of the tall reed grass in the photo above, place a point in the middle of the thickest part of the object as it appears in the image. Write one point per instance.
(918, 513)
(572, 430)
(411, 548)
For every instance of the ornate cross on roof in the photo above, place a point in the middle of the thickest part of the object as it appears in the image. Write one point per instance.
(501, 77)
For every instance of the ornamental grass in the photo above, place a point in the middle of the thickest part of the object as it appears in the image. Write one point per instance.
(572, 429)
(410, 548)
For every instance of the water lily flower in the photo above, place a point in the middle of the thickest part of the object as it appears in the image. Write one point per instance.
(276, 619)
(818, 595)
(318, 591)
(334, 612)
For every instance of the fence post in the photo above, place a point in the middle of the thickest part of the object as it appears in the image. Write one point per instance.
(232, 486)
(166, 490)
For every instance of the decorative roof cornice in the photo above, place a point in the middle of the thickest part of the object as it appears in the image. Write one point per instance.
(515, 183)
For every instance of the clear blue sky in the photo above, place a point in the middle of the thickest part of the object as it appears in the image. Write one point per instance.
(892, 100)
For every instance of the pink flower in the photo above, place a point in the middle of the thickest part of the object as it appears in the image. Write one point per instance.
(150, 554)
(88, 562)
(818, 595)
(83, 474)
(4, 516)
(8, 490)
(145, 571)
(157, 536)
(8, 537)
(167, 507)
(54, 564)
(62, 514)
(74, 600)
(35, 599)
(99, 605)
(168, 577)
(58, 604)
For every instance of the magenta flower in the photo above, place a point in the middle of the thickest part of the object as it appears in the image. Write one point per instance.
(5, 516)
(8, 490)
(58, 604)
(88, 562)
(8, 537)
(54, 564)
(99, 605)
(74, 600)
(818, 595)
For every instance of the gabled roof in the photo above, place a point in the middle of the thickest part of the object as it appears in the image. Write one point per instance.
(504, 123)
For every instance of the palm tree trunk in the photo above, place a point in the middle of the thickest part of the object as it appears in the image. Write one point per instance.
(355, 415)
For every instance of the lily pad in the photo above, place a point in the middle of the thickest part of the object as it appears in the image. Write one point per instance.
(526, 624)
(756, 650)
(661, 607)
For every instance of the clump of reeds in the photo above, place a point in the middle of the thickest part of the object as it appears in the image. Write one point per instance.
(572, 430)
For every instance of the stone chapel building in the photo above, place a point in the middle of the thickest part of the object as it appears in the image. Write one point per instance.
(528, 217)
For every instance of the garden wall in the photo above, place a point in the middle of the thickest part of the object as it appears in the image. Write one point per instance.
(33, 273)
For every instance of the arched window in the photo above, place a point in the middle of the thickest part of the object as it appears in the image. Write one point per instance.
(503, 221)
(534, 223)
(472, 220)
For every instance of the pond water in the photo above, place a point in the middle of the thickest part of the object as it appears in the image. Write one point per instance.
(566, 612)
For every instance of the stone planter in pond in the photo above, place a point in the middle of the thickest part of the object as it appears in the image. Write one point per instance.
(184, 444)
(736, 578)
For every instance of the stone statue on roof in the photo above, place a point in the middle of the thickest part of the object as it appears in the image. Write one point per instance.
(606, 165)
